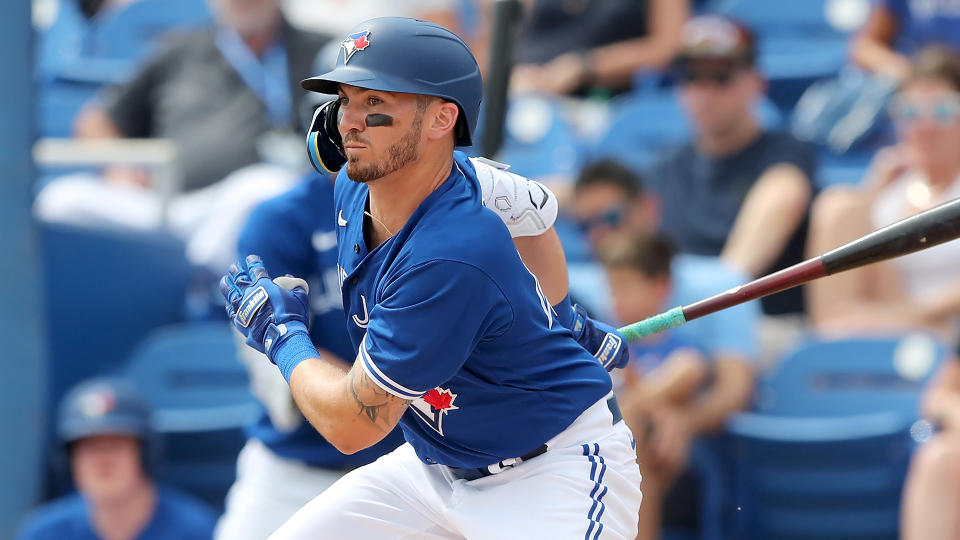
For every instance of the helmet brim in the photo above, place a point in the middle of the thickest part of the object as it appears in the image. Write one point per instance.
(329, 83)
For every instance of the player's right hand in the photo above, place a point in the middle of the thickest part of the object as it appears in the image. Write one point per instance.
(324, 144)
(267, 312)
(600, 339)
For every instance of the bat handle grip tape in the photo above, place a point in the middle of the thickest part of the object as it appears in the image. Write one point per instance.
(653, 325)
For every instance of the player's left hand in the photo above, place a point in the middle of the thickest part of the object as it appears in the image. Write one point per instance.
(267, 312)
(600, 339)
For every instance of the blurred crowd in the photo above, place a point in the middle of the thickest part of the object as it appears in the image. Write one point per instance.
(694, 145)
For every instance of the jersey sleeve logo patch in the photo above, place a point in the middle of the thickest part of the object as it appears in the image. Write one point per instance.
(433, 406)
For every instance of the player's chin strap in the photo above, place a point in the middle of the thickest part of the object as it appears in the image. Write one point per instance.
(324, 144)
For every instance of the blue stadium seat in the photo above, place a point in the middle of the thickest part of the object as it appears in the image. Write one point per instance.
(76, 57)
(106, 290)
(201, 396)
(131, 32)
(780, 18)
(798, 42)
(848, 169)
(851, 376)
(825, 454)
(538, 141)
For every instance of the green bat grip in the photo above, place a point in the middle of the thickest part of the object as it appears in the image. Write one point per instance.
(652, 325)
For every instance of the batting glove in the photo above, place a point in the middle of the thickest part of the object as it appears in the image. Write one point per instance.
(267, 312)
(600, 339)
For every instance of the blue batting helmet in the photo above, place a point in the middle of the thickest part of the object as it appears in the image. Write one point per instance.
(103, 406)
(397, 54)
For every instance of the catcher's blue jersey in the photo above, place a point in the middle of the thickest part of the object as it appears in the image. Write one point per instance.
(445, 314)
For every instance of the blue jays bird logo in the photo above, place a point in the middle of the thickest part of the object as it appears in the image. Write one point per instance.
(433, 406)
(356, 41)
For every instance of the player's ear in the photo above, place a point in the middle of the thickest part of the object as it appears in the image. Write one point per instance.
(441, 119)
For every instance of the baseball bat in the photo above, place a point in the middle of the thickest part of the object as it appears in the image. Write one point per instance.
(920, 231)
(507, 16)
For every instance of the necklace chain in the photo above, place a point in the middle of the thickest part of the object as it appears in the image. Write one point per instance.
(382, 224)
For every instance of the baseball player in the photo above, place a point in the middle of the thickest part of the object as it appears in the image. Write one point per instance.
(286, 463)
(510, 424)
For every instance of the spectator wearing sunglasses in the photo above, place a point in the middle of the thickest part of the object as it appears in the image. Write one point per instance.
(671, 401)
(920, 171)
(735, 191)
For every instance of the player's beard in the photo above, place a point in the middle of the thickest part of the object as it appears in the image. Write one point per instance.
(404, 151)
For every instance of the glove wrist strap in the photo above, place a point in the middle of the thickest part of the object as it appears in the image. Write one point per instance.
(292, 350)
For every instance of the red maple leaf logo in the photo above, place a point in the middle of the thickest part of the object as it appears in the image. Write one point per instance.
(361, 43)
(440, 400)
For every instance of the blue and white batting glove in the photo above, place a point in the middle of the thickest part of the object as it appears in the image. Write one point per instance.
(271, 314)
(600, 339)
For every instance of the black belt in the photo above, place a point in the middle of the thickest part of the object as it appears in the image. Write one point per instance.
(466, 473)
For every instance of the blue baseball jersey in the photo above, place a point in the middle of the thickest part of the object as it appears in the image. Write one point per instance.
(176, 516)
(445, 314)
(294, 234)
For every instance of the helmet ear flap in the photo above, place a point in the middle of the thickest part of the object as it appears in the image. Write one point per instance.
(324, 144)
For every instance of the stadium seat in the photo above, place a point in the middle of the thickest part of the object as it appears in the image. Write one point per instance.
(851, 376)
(106, 290)
(131, 32)
(798, 42)
(200, 392)
(848, 169)
(825, 454)
(538, 141)
(76, 57)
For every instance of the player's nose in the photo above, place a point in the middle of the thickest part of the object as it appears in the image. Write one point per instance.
(351, 119)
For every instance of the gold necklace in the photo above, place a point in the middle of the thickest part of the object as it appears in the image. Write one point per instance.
(375, 218)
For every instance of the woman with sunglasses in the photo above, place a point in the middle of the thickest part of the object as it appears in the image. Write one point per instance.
(920, 171)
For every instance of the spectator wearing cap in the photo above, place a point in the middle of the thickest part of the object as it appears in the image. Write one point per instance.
(571, 47)
(104, 430)
(670, 401)
(736, 190)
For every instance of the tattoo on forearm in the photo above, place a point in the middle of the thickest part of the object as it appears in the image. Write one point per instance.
(379, 406)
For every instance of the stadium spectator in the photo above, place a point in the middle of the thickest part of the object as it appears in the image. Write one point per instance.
(228, 98)
(735, 191)
(846, 113)
(572, 47)
(286, 463)
(920, 171)
(660, 396)
(104, 429)
(895, 29)
(932, 489)
(619, 220)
